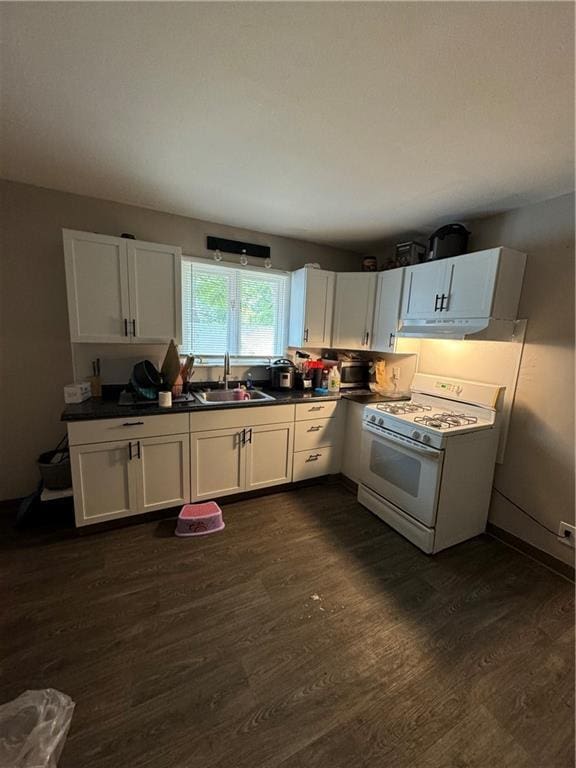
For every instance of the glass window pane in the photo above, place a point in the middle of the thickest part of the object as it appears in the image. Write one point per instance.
(228, 309)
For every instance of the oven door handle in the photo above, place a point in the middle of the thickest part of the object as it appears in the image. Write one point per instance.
(410, 445)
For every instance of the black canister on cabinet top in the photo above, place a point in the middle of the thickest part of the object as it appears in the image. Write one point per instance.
(450, 240)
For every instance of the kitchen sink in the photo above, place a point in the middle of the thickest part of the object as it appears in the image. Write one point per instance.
(227, 396)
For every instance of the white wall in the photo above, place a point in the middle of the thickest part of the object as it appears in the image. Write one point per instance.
(34, 335)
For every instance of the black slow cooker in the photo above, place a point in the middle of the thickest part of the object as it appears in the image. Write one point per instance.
(282, 374)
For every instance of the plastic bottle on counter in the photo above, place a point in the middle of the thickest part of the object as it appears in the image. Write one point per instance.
(334, 380)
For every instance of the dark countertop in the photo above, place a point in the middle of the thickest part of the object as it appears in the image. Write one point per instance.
(97, 408)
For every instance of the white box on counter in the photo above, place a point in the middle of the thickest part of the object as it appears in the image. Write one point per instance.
(77, 393)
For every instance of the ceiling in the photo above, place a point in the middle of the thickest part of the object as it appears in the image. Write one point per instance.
(341, 123)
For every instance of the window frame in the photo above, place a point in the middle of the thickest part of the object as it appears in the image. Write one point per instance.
(218, 359)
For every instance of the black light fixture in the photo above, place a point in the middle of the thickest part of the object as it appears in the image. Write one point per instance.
(221, 245)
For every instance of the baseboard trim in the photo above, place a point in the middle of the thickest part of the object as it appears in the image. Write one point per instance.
(551, 562)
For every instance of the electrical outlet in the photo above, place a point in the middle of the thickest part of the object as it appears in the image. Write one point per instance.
(395, 374)
(567, 534)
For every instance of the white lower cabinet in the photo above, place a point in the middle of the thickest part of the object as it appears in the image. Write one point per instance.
(228, 461)
(204, 456)
(104, 482)
(351, 462)
(218, 463)
(163, 471)
(308, 464)
(269, 456)
(128, 477)
(318, 443)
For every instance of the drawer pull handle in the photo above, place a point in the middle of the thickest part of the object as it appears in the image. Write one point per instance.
(314, 429)
(133, 424)
(313, 457)
(315, 408)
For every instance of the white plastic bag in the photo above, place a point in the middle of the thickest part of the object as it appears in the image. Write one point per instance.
(33, 729)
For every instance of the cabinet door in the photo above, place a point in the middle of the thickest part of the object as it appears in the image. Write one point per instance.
(423, 285)
(97, 287)
(269, 455)
(469, 285)
(105, 482)
(163, 468)
(353, 310)
(351, 456)
(218, 463)
(319, 304)
(387, 312)
(155, 292)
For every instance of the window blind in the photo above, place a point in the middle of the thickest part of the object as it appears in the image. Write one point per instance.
(235, 310)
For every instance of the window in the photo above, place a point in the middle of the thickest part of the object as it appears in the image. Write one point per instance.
(237, 310)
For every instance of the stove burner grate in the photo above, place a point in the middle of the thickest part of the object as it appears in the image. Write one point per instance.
(445, 420)
(399, 408)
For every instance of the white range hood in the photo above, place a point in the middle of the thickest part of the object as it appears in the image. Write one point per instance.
(480, 329)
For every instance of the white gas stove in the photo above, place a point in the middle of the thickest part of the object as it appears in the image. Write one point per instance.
(427, 463)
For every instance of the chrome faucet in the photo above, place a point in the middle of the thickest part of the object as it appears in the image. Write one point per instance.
(226, 369)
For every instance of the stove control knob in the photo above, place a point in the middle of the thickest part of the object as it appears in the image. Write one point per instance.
(373, 418)
(416, 435)
(426, 438)
(380, 421)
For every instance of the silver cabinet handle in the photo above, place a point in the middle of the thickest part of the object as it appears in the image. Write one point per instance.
(314, 429)
(306, 335)
(133, 424)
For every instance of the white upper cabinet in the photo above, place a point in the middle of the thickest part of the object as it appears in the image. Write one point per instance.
(154, 275)
(469, 283)
(387, 311)
(354, 310)
(311, 306)
(97, 285)
(122, 291)
(423, 285)
(485, 284)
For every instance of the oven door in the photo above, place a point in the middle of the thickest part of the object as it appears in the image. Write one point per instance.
(402, 471)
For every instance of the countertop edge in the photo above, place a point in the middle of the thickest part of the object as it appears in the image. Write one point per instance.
(96, 409)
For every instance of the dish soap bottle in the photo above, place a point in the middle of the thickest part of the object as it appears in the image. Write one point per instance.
(334, 380)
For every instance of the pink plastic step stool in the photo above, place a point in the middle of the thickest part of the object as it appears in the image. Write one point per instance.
(199, 519)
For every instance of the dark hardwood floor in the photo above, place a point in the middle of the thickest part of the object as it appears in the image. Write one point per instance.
(307, 634)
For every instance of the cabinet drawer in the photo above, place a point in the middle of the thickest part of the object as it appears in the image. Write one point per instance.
(316, 434)
(241, 416)
(129, 428)
(325, 410)
(313, 463)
